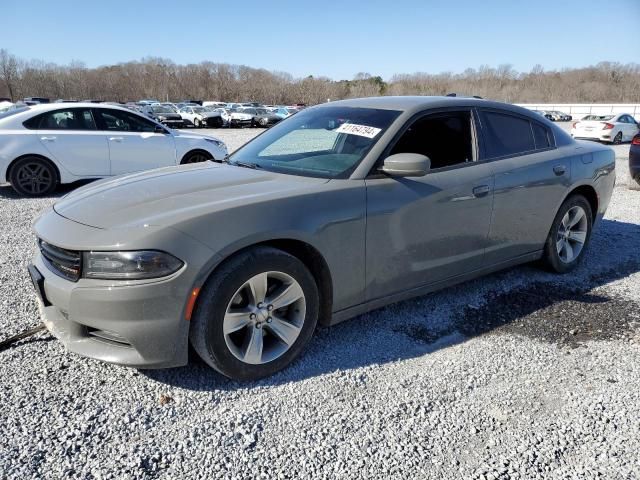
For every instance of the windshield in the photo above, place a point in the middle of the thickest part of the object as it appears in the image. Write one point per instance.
(326, 142)
(162, 109)
(13, 110)
(199, 109)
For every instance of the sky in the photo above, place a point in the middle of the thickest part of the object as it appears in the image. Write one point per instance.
(332, 38)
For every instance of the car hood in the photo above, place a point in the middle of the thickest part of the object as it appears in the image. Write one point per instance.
(193, 136)
(166, 196)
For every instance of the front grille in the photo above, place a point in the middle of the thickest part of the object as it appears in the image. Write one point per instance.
(64, 263)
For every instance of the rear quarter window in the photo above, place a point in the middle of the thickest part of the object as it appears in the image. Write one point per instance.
(506, 134)
(541, 136)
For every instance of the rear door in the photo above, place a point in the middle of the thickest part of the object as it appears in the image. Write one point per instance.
(531, 179)
(72, 139)
(134, 144)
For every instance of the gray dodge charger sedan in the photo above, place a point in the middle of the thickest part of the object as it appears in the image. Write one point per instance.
(337, 210)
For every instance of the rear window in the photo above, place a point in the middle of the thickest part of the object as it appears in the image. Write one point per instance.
(600, 118)
(506, 134)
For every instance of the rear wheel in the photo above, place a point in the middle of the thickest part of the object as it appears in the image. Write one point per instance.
(617, 140)
(33, 177)
(569, 235)
(255, 314)
(196, 156)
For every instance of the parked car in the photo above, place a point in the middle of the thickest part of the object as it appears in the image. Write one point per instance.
(261, 116)
(561, 116)
(163, 114)
(606, 128)
(238, 118)
(44, 145)
(281, 112)
(198, 117)
(343, 208)
(634, 158)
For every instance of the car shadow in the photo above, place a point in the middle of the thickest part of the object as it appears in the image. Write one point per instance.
(566, 310)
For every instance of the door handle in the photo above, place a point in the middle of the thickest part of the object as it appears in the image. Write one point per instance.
(481, 190)
(559, 170)
(115, 139)
(47, 139)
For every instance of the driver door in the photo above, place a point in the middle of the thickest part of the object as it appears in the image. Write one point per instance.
(423, 230)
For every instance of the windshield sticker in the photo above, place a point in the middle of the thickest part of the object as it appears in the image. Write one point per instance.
(361, 130)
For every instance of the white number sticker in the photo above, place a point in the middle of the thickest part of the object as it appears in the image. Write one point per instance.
(361, 130)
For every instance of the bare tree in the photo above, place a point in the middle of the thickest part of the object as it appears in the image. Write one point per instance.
(160, 78)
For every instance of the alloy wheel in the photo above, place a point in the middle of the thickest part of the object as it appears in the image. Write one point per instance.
(34, 178)
(572, 234)
(264, 317)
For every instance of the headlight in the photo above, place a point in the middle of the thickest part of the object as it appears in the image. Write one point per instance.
(217, 143)
(161, 118)
(138, 265)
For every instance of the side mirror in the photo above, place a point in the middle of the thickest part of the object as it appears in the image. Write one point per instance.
(406, 165)
(160, 129)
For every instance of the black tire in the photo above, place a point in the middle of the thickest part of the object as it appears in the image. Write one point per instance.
(551, 257)
(33, 177)
(263, 122)
(207, 336)
(197, 123)
(617, 140)
(196, 156)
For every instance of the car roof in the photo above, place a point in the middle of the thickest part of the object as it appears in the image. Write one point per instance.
(414, 104)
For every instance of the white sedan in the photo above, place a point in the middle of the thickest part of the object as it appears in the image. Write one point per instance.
(606, 128)
(44, 145)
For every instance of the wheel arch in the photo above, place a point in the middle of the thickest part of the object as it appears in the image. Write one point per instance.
(13, 163)
(590, 194)
(308, 255)
(195, 150)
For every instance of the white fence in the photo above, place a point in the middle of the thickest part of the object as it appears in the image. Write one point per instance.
(579, 110)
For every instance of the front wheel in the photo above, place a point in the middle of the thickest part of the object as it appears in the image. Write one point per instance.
(196, 156)
(255, 314)
(569, 235)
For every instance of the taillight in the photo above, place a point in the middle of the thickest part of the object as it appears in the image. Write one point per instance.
(575, 124)
(608, 126)
(636, 140)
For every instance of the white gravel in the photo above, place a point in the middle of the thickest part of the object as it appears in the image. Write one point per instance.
(521, 374)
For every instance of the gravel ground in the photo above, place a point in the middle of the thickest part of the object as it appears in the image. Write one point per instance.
(521, 374)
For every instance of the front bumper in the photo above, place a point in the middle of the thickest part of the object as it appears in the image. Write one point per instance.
(134, 323)
(235, 122)
(137, 326)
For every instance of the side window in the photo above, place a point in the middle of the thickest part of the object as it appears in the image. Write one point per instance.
(506, 134)
(541, 136)
(73, 119)
(445, 138)
(118, 120)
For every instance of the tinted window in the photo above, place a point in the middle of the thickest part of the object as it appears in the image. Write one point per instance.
(118, 120)
(506, 134)
(72, 119)
(541, 136)
(446, 139)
